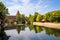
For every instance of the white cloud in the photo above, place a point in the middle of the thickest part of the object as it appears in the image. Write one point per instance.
(0, 0)
(45, 6)
(23, 9)
(15, 1)
(25, 1)
(26, 8)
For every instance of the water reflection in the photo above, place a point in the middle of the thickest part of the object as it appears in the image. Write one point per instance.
(20, 28)
(31, 27)
(48, 31)
(38, 29)
(55, 32)
(31, 32)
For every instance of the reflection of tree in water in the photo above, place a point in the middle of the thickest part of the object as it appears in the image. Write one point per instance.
(19, 28)
(37, 29)
(55, 32)
(3, 36)
(31, 27)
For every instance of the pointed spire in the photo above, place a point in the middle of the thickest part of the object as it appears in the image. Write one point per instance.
(18, 31)
(18, 13)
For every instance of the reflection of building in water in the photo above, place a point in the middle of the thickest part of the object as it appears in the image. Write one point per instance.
(20, 28)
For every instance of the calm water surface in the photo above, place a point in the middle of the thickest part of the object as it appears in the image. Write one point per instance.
(33, 33)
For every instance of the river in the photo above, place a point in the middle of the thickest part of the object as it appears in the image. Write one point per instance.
(33, 33)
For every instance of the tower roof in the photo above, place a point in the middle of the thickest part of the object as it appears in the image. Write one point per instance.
(18, 13)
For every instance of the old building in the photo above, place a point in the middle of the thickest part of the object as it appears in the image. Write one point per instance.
(12, 18)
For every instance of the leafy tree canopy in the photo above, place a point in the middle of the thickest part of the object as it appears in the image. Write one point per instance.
(53, 16)
(3, 10)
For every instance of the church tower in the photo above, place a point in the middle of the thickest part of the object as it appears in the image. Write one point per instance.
(18, 13)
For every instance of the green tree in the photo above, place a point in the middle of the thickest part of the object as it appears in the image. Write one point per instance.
(53, 16)
(27, 19)
(37, 17)
(2, 6)
(18, 17)
(31, 19)
(23, 18)
(3, 10)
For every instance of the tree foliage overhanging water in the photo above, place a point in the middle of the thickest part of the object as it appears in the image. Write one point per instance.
(3, 13)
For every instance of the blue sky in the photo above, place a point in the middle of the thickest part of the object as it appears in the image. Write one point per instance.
(30, 6)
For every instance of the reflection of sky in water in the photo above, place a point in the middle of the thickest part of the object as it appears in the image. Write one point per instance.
(29, 35)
